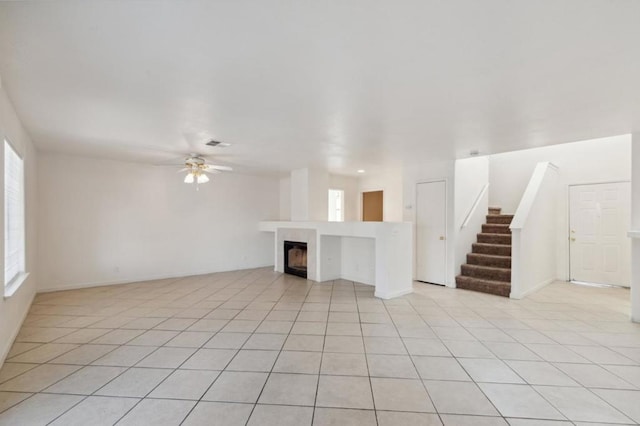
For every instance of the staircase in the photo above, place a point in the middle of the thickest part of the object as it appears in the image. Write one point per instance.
(488, 267)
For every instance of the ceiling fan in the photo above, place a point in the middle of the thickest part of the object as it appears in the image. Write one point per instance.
(197, 169)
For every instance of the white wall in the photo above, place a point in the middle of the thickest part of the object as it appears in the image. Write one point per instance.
(534, 234)
(425, 172)
(351, 196)
(390, 182)
(592, 161)
(285, 198)
(318, 195)
(330, 257)
(309, 195)
(471, 178)
(635, 225)
(14, 309)
(299, 182)
(105, 221)
(358, 259)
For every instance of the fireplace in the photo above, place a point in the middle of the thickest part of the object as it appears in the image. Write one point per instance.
(295, 258)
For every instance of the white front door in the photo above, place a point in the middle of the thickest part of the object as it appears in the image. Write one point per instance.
(599, 218)
(431, 232)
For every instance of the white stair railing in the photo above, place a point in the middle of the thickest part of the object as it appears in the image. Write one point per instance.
(533, 233)
(474, 207)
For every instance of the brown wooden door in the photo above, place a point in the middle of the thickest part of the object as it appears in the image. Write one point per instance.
(372, 206)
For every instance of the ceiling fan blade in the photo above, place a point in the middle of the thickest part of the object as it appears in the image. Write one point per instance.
(174, 161)
(212, 171)
(170, 165)
(215, 167)
(186, 169)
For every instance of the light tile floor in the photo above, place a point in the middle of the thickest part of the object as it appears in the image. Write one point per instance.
(256, 347)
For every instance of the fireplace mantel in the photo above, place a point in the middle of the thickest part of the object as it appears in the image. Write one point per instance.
(384, 250)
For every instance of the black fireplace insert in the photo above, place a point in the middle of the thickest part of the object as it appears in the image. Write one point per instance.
(295, 258)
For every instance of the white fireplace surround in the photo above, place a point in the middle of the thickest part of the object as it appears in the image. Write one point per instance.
(300, 236)
(384, 251)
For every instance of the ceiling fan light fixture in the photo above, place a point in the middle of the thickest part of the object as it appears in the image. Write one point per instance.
(197, 168)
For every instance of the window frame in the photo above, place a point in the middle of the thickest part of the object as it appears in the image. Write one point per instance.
(339, 208)
(14, 283)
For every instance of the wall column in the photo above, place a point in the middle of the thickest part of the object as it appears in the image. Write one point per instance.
(309, 195)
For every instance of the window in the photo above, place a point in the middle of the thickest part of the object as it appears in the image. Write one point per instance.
(14, 236)
(336, 205)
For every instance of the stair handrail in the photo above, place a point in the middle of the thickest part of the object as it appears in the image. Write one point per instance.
(530, 193)
(474, 206)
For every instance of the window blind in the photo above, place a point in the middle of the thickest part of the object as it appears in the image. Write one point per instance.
(14, 245)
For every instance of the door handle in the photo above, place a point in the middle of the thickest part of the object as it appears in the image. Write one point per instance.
(442, 238)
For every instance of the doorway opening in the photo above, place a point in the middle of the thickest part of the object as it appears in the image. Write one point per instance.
(372, 206)
(431, 231)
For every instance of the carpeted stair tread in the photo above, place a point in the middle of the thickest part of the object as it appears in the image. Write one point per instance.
(494, 238)
(489, 260)
(487, 272)
(488, 267)
(494, 249)
(496, 228)
(500, 218)
(485, 286)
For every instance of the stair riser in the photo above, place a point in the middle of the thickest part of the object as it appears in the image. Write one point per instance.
(500, 250)
(494, 218)
(494, 239)
(479, 259)
(503, 275)
(494, 210)
(470, 284)
(496, 229)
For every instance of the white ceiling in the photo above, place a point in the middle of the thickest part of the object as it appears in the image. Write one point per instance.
(344, 84)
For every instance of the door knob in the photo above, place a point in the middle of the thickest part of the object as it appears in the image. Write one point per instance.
(441, 238)
(573, 239)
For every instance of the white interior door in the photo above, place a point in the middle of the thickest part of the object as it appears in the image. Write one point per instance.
(431, 232)
(599, 218)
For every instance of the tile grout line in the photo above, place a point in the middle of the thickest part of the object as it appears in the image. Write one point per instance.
(366, 360)
(123, 372)
(395, 326)
(324, 341)
(281, 348)
(241, 290)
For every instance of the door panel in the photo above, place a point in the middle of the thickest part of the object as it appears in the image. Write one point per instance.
(431, 232)
(599, 217)
(372, 206)
(611, 256)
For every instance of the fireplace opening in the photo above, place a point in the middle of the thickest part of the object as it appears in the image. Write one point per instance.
(295, 258)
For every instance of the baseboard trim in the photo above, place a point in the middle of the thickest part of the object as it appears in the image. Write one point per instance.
(355, 280)
(14, 335)
(393, 294)
(532, 290)
(141, 279)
